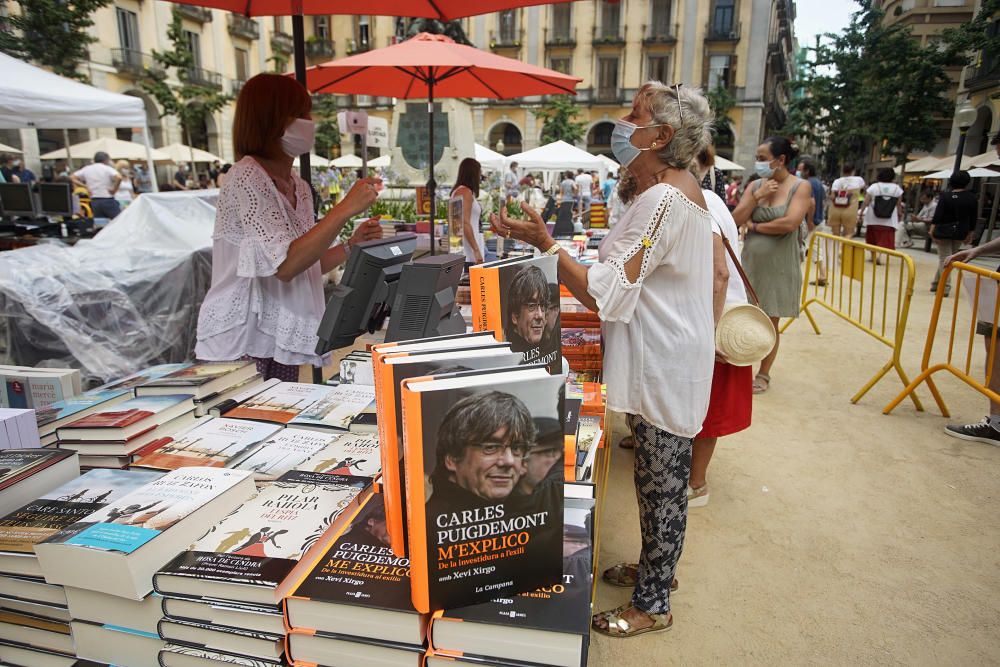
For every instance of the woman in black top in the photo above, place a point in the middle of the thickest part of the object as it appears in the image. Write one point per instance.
(953, 222)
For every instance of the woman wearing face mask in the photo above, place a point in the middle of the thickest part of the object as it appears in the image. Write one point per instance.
(269, 253)
(771, 210)
(654, 290)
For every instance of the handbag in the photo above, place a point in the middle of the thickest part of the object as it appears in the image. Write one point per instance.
(745, 333)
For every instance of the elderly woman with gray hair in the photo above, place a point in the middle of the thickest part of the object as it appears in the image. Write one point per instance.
(658, 298)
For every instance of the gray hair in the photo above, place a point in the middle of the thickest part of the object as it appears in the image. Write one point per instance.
(685, 109)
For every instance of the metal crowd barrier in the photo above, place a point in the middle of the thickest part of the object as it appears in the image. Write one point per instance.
(873, 296)
(979, 286)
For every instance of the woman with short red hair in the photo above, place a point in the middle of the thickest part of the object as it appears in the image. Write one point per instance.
(269, 253)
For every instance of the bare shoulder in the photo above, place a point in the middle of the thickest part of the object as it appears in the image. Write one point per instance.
(685, 182)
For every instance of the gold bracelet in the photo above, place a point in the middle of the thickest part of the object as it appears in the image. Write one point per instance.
(553, 249)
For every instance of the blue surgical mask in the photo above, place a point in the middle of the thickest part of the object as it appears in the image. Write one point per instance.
(763, 168)
(621, 141)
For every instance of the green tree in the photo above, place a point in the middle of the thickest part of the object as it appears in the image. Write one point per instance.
(559, 120)
(722, 102)
(965, 42)
(52, 33)
(191, 101)
(324, 112)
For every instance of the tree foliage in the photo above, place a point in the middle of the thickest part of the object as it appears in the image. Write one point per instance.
(191, 101)
(872, 84)
(559, 120)
(722, 102)
(324, 112)
(52, 33)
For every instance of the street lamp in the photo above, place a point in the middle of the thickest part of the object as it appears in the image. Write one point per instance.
(965, 117)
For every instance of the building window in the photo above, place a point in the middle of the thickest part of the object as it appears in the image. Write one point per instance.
(364, 33)
(321, 27)
(507, 26)
(560, 65)
(950, 3)
(128, 29)
(611, 12)
(723, 17)
(242, 64)
(193, 40)
(562, 19)
(907, 5)
(660, 20)
(607, 78)
(719, 72)
(658, 69)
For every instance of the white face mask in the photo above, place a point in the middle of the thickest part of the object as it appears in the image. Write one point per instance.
(298, 137)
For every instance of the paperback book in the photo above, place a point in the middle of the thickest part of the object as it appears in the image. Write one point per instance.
(217, 443)
(348, 454)
(336, 408)
(130, 382)
(287, 449)
(520, 301)
(202, 635)
(358, 583)
(127, 420)
(63, 412)
(179, 655)
(25, 474)
(200, 379)
(280, 403)
(118, 548)
(54, 511)
(484, 476)
(247, 556)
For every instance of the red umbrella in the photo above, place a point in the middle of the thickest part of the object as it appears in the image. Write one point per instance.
(443, 10)
(429, 65)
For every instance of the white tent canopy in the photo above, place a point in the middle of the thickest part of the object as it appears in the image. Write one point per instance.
(178, 152)
(348, 161)
(555, 157)
(977, 172)
(611, 165)
(380, 161)
(490, 159)
(4, 148)
(314, 161)
(115, 148)
(987, 159)
(726, 165)
(34, 97)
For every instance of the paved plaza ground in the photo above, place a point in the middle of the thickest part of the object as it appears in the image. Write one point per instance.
(835, 535)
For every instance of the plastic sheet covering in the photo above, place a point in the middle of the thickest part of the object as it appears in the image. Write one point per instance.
(124, 300)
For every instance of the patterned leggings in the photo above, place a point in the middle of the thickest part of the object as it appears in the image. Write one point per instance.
(662, 470)
(269, 368)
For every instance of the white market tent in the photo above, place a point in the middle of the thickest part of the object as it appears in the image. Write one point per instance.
(611, 165)
(115, 148)
(178, 152)
(34, 97)
(348, 161)
(4, 148)
(490, 159)
(314, 161)
(556, 157)
(726, 165)
(380, 161)
(977, 172)
(987, 159)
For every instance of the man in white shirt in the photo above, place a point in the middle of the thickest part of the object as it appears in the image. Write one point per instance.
(101, 180)
(511, 183)
(584, 183)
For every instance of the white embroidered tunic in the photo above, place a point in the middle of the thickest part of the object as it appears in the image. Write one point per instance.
(248, 311)
(659, 332)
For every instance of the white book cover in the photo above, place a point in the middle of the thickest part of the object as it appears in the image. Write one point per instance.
(338, 407)
(217, 443)
(349, 454)
(280, 403)
(285, 450)
(135, 519)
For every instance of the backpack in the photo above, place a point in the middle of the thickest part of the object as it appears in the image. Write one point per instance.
(883, 205)
(842, 198)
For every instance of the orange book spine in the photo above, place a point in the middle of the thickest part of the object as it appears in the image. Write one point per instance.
(486, 314)
(416, 516)
(390, 464)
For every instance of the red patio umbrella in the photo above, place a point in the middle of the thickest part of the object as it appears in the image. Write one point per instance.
(429, 65)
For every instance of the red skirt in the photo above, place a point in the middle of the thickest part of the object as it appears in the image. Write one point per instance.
(881, 235)
(732, 398)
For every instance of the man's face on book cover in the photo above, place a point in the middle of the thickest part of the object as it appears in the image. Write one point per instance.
(529, 319)
(490, 470)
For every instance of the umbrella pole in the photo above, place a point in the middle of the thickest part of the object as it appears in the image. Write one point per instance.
(69, 154)
(431, 185)
(299, 41)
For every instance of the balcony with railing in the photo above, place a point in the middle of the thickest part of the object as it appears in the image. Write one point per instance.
(722, 31)
(608, 94)
(609, 35)
(660, 34)
(506, 39)
(241, 26)
(237, 86)
(560, 37)
(319, 48)
(984, 74)
(358, 46)
(198, 14)
(202, 77)
(282, 42)
(137, 64)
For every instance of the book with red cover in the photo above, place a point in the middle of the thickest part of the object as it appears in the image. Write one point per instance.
(127, 419)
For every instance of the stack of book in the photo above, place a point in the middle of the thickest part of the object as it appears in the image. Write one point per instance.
(318, 407)
(25, 474)
(549, 626)
(223, 594)
(581, 347)
(352, 606)
(113, 552)
(208, 383)
(18, 429)
(23, 590)
(27, 387)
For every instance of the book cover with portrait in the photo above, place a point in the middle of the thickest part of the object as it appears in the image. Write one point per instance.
(484, 474)
(519, 300)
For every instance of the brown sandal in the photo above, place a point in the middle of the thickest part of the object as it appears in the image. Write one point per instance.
(624, 575)
(619, 628)
(628, 442)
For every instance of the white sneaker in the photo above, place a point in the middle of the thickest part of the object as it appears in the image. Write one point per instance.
(697, 497)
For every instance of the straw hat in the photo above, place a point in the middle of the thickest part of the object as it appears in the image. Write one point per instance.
(744, 334)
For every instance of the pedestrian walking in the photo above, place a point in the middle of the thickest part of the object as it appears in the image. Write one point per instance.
(101, 180)
(844, 202)
(511, 183)
(881, 209)
(772, 210)
(953, 222)
(126, 189)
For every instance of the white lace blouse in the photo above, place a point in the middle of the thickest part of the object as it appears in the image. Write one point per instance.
(659, 331)
(248, 311)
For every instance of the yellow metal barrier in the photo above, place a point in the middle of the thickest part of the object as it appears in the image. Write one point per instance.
(980, 285)
(873, 297)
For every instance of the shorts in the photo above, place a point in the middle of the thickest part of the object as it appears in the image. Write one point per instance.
(881, 235)
(731, 401)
